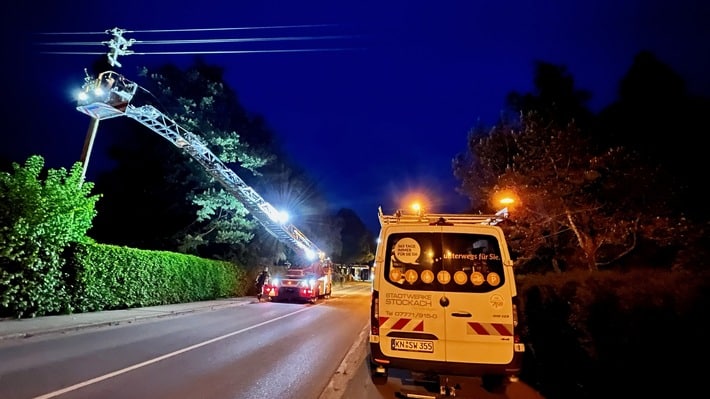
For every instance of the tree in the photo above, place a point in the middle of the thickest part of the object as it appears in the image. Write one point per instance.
(41, 212)
(583, 195)
(576, 203)
(656, 116)
(358, 242)
(489, 154)
(200, 102)
(555, 98)
(141, 207)
(181, 201)
(205, 105)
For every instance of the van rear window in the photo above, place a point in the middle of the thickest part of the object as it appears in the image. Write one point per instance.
(455, 262)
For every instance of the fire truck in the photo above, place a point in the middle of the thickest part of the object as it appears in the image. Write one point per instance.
(110, 95)
(301, 283)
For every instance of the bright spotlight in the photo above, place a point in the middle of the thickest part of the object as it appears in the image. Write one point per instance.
(282, 217)
(310, 255)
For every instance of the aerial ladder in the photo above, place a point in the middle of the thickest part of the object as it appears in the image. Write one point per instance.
(109, 96)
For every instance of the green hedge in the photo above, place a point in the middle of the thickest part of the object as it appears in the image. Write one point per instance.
(111, 277)
(48, 265)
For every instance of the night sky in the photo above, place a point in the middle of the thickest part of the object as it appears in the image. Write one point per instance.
(373, 122)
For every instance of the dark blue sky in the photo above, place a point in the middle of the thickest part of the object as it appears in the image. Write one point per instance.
(370, 125)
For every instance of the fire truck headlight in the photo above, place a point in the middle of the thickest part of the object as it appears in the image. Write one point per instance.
(275, 282)
(310, 283)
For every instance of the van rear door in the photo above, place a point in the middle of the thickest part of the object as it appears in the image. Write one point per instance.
(479, 310)
(412, 321)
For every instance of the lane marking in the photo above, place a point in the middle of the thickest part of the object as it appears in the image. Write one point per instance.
(159, 358)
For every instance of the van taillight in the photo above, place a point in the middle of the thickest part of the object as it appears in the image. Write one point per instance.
(375, 313)
(516, 334)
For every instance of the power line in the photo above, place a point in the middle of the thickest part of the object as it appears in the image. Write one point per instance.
(118, 45)
(191, 29)
(210, 41)
(206, 52)
(236, 28)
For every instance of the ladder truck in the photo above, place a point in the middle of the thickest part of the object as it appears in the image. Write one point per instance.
(110, 95)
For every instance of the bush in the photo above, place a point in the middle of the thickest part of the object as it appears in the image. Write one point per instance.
(38, 220)
(635, 331)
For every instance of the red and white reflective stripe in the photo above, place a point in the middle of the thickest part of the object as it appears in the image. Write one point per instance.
(490, 329)
(401, 324)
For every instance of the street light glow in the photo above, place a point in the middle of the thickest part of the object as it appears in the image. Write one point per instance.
(505, 198)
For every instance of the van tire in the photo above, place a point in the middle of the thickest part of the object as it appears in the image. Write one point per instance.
(378, 378)
(494, 383)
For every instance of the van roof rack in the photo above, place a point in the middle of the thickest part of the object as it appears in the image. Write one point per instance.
(401, 216)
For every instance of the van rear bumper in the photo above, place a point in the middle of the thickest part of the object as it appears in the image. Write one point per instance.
(447, 368)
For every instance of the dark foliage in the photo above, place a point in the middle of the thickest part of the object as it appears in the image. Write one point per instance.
(358, 242)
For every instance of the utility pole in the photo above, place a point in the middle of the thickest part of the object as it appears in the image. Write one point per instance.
(88, 145)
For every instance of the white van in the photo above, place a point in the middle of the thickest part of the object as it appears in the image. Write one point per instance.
(444, 299)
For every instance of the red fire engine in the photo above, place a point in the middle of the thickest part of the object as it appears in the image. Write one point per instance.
(301, 283)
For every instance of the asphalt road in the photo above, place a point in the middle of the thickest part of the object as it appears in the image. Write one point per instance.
(233, 348)
(283, 350)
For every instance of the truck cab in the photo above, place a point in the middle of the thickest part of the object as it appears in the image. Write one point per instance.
(301, 283)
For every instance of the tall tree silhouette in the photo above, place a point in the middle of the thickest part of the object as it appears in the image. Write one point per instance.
(555, 98)
(657, 116)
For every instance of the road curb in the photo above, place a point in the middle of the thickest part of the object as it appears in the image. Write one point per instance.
(151, 312)
(339, 382)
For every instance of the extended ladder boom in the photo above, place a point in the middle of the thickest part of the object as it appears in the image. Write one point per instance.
(264, 212)
(114, 102)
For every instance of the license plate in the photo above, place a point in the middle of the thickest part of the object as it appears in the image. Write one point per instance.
(412, 345)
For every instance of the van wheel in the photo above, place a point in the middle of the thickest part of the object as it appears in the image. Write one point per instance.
(494, 383)
(378, 378)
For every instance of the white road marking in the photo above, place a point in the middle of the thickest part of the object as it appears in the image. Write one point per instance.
(157, 359)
